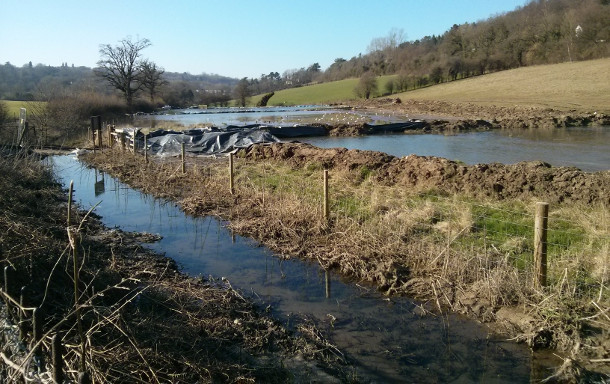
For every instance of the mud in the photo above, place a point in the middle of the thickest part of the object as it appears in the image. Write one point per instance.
(522, 180)
(445, 115)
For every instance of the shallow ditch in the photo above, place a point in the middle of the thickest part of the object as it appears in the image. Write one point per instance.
(390, 340)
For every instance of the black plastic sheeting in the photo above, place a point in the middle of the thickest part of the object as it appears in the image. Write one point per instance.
(206, 141)
(213, 140)
(394, 127)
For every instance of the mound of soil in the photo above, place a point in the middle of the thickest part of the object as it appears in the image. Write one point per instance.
(521, 180)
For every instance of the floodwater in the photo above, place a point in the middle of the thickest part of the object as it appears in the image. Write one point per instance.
(587, 148)
(389, 340)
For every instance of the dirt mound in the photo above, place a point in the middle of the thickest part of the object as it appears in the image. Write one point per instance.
(521, 180)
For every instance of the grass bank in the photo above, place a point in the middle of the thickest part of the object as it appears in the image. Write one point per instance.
(458, 251)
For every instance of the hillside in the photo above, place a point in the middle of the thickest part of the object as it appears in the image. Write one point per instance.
(582, 86)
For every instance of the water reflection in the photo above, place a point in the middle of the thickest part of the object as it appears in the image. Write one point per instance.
(391, 340)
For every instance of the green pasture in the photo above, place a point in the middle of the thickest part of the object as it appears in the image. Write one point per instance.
(322, 93)
(14, 106)
(566, 86)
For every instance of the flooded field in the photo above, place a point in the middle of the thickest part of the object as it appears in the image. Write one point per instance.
(390, 340)
(587, 148)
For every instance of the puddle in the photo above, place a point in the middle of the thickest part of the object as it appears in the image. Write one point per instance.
(391, 340)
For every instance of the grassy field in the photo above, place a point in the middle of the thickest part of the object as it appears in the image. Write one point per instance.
(322, 93)
(583, 86)
(14, 106)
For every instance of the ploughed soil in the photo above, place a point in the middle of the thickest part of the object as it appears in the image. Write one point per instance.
(521, 180)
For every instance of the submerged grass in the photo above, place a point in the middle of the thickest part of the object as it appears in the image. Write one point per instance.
(452, 250)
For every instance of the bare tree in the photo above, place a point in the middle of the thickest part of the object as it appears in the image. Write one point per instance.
(152, 78)
(121, 67)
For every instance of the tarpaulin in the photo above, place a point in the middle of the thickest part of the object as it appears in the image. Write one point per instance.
(206, 141)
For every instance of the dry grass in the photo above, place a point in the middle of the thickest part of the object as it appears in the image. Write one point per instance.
(581, 86)
(143, 321)
(470, 256)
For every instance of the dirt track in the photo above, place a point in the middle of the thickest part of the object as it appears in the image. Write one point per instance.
(521, 180)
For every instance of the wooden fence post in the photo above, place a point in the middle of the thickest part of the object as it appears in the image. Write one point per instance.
(326, 206)
(37, 328)
(9, 282)
(122, 140)
(22, 304)
(146, 149)
(231, 185)
(327, 277)
(110, 143)
(540, 243)
(183, 157)
(56, 352)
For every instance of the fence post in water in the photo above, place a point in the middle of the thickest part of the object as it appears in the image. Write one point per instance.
(540, 244)
(231, 186)
(326, 207)
(182, 156)
(56, 349)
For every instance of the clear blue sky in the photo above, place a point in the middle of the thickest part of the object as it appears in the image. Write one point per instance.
(236, 38)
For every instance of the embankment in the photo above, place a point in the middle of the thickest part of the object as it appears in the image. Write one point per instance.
(419, 226)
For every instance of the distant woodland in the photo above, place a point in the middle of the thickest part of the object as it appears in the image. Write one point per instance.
(541, 32)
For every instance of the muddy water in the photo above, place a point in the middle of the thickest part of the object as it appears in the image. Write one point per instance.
(390, 340)
(587, 148)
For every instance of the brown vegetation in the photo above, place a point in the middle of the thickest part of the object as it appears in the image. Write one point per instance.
(143, 320)
(411, 226)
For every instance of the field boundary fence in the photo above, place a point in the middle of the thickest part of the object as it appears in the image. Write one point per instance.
(531, 239)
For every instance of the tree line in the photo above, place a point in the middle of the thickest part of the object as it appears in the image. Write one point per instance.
(540, 32)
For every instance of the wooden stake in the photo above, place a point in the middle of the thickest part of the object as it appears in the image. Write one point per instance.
(22, 303)
(58, 363)
(231, 186)
(540, 244)
(70, 192)
(326, 207)
(37, 327)
(183, 158)
(327, 276)
(146, 149)
(73, 236)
